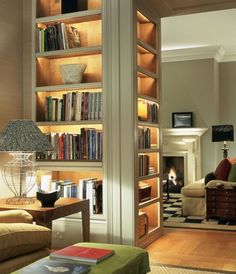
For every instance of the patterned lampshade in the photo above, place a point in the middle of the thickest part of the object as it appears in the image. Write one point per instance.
(23, 136)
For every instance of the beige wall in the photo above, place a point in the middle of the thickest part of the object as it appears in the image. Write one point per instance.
(10, 60)
(228, 99)
(11, 67)
(193, 86)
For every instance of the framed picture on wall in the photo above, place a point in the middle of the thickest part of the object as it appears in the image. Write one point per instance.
(182, 119)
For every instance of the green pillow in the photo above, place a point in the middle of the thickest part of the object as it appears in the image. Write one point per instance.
(232, 174)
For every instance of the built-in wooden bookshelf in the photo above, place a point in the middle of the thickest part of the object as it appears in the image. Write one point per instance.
(130, 100)
(51, 93)
(148, 128)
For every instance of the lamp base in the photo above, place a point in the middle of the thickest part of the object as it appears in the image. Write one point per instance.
(18, 200)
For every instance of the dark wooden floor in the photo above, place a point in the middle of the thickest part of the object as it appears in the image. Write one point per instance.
(195, 248)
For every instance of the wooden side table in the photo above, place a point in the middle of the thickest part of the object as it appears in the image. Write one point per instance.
(221, 203)
(63, 207)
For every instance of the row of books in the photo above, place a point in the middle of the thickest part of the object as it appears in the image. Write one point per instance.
(144, 138)
(74, 106)
(143, 163)
(148, 112)
(70, 146)
(89, 188)
(58, 36)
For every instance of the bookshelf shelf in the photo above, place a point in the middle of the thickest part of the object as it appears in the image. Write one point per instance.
(70, 18)
(69, 87)
(70, 123)
(143, 73)
(70, 164)
(73, 52)
(148, 203)
(149, 150)
(148, 98)
(147, 177)
(146, 124)
(148, 48)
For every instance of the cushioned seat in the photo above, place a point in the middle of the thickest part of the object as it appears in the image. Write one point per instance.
(125, 260)
(18, 239)
(21, 242)
(193, 199)
(194, 190)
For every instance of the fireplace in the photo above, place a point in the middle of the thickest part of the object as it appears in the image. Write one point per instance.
(174, 169)
(185, 143)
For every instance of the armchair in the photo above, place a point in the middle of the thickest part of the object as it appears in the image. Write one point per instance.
(21, 242)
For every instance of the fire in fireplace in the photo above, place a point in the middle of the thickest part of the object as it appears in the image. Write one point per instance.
(173, 173)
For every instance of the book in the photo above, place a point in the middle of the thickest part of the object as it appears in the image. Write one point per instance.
(83, 254)
(47, 266)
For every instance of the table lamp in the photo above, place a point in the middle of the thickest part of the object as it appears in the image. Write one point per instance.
(21, 138)
(223, 133)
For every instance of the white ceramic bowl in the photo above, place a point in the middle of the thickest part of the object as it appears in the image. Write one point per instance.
(72, 73)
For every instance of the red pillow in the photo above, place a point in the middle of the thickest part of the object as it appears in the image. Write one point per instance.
(223, 169)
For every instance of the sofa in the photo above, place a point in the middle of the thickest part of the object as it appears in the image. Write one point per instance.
(21, 242)
(193, 194)
(193, 199)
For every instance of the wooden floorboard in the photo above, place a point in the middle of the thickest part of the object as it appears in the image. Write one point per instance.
(214, 250)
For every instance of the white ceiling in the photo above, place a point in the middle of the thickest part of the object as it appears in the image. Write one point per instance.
(217, 28)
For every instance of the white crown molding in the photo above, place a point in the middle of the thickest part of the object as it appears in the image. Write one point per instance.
(229, 56)
(211, 52)
(219, 53)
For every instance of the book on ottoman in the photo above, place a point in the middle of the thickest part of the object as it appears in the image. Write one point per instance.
(81, 254)
(46, 266)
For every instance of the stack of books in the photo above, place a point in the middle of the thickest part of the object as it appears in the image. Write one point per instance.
(71, 259)
(86, 255)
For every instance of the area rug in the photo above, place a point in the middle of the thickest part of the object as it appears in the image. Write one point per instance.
(166, 269)
(173, 218)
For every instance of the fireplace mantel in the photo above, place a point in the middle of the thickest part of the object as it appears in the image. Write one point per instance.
(184, 131)
(186, 142)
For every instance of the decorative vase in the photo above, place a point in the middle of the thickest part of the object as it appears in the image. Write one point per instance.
(72, 73)
(48, 199)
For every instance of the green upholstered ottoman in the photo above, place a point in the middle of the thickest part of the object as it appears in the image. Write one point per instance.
(126, 260)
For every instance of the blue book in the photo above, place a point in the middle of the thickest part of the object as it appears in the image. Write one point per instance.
(49, 266)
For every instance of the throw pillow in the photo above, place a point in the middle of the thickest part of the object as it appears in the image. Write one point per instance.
(210, 176)
(232, 173)
(222, 171)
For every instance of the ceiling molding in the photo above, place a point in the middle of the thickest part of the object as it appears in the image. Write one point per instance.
(181, 7)
(219, 53)
(212, 52)
(229, 56)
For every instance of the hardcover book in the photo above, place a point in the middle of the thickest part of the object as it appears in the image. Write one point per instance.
(48, 266)
(82, 254)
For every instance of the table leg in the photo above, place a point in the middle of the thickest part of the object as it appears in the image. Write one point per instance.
(86, 223)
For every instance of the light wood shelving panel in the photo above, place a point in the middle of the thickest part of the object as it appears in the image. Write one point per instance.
(47, 81)
(148, 119)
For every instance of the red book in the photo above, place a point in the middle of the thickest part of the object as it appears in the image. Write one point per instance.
(83, 254)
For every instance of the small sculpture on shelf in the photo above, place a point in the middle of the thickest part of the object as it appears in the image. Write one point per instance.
(72, 73)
